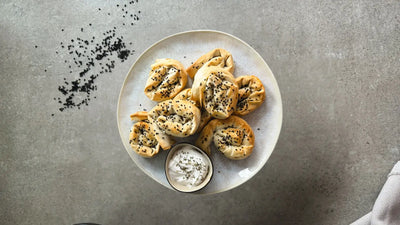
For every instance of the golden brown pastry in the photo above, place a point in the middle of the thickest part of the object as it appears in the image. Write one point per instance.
(142, 138)
(251, 94)
(179, 118)
(166, 79)
(205, 117)
(186, 94)
(216, 90)
(233, 137)
(165, 141)
(217, 57)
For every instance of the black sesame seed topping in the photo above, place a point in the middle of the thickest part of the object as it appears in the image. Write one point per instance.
(85, 57)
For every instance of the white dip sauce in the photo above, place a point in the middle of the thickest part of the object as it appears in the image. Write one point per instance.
(188, 167)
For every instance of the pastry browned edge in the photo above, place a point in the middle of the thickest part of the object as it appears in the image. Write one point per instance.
(179, 118)
(142, 137)
(187, 95)
(216, 57)
(166, 79)
(251, 94)
(215, 90)
(232, 136)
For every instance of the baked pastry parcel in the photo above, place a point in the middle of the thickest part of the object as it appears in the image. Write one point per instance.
(216, 57)
(187, 95)
(232, 136)
(142, 137)
(166, 79)
(179, 118)
(251, 94)
(216, 90)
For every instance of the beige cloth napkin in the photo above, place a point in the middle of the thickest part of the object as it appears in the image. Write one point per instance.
(386, 210)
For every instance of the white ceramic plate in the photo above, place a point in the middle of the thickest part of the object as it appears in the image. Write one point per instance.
(186, 47)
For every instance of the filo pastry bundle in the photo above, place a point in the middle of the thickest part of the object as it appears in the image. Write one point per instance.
(210, 108)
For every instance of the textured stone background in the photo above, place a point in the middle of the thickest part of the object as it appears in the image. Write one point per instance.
(337, 65)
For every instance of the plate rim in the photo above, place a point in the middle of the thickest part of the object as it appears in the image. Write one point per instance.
(279, 97)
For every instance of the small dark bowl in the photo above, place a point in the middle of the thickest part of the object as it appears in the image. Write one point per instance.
(182, 188)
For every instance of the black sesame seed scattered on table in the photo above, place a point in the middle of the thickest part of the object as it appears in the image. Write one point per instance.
(91, 57)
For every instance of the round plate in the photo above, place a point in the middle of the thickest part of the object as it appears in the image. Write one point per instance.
(187, 47)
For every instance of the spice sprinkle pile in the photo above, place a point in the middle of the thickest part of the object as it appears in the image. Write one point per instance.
(89, 58)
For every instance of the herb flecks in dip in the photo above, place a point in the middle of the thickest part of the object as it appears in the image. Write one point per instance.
(188, 167)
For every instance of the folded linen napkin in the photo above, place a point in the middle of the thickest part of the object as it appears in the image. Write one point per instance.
(386, 210)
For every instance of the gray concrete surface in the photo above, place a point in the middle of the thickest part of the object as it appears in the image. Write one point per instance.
(337, 64)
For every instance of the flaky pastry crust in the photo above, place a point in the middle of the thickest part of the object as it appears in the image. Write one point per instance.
(216, 90)
(185, 94)
(179, 118)
(142, 138)
(251, 94)
(216, 57)
(166, 79)
(232, 136)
